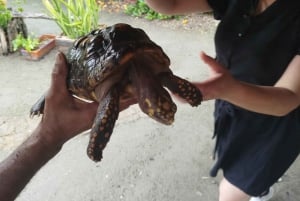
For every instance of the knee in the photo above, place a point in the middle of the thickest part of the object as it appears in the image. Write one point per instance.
(229, 192)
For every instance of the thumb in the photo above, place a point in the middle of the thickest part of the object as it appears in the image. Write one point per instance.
(59, 73)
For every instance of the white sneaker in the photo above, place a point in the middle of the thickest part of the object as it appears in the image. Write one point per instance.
(265, 197)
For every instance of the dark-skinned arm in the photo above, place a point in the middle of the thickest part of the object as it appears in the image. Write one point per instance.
(64, 117)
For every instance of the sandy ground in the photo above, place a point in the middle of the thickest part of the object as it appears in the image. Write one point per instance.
(144, 160)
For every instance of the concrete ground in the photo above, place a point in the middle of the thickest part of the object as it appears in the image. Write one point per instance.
(144, 160)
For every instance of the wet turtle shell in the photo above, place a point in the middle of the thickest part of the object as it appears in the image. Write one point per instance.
(103, 63)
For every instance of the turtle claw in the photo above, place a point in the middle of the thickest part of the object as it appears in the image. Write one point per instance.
(32, 114)
(107, 114)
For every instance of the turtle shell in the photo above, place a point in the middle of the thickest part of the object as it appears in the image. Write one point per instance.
(106, 53)
(106, 62)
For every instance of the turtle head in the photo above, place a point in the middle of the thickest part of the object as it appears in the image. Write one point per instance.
(158, 106)
(154, 100)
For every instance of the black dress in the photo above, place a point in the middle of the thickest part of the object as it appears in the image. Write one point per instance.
(253, 149)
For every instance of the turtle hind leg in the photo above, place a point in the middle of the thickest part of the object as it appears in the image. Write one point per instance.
(182, 88)
(38, 107)
(107, 114)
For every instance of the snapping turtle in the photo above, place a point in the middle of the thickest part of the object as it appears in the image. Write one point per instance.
(106, 61)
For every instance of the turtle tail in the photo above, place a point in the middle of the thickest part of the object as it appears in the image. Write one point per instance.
(107, 114)
(38, 107)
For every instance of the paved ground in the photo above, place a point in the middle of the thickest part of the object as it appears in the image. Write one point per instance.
(144, 160)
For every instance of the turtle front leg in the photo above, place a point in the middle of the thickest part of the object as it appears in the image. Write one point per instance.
(107, 114)
(38, 107)
(182, 88)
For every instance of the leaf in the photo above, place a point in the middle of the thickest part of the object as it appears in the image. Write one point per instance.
(75, 18)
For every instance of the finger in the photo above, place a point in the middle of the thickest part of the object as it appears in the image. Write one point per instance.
(211, 62)
(59, 73)
(206, 58)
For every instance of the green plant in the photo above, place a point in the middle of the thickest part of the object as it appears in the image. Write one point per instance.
(30, 43)
(141, 9)
(5, 16)
(2, 3)
(74, 17)
(18, 5)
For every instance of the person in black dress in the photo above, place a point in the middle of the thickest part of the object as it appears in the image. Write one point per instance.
(255, 79)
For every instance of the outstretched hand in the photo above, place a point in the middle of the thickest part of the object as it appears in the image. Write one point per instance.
(219, 82)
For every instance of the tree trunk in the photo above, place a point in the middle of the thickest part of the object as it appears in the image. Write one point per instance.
(15, 26)
(3, 42)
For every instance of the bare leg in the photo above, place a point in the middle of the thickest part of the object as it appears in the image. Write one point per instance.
(229, 192)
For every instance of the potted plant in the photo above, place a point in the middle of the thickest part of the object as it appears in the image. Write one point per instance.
(34, 48)
(74, 17)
